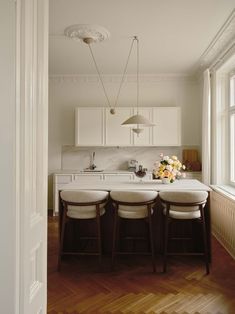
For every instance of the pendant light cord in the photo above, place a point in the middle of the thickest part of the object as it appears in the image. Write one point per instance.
(97, 69)
(124, 72)
(137, 73)
(123, 76)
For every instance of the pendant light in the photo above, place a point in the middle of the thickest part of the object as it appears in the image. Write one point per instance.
(138, 121)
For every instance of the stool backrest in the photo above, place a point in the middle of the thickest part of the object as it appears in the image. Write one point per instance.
(184, 201)
(83, 197)
(84, 204)
(133, 198)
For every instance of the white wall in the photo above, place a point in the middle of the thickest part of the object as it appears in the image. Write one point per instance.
(66, 93)
(7, 157)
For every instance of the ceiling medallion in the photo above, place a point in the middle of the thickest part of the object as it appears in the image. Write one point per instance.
(84, 32)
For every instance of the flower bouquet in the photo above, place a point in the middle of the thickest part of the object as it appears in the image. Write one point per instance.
(168, 169)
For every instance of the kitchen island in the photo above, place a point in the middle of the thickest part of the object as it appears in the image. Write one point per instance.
(158, 217)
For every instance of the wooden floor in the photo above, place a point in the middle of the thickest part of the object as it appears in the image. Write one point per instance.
(83, 287)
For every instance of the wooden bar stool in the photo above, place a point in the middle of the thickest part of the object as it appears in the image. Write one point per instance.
(81, 204)
(184, 205)
(131, 205)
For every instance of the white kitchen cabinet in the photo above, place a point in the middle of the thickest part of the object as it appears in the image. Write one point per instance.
(89, 126)
(95, 126)
(193, 175)
(115, 133)
(145, 137)
(59, 181)
(119, 177)
(167, 131)
(88, 177)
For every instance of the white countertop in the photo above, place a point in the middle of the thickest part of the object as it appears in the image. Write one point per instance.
(90, 172)
(156, 185)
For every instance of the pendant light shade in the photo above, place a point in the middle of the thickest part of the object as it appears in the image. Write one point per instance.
(137, 130)
(137, 119)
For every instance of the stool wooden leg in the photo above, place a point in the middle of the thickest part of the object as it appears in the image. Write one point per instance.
(115, 228)
(99, 233)
(151, 238)
(61, 242)
(166, 239)
(206, 253)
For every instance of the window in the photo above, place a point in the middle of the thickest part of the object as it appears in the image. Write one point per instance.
(231, 120)
(223, 126)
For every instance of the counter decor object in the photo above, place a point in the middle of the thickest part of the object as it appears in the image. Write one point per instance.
(168, 169)
(141, 172)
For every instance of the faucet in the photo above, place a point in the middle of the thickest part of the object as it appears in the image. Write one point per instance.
(92, 165)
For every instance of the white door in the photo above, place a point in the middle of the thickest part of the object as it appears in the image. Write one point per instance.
(116, 134)
(89, 126)
(31, 152)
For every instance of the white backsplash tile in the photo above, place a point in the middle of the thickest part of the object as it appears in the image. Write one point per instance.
(113, 158)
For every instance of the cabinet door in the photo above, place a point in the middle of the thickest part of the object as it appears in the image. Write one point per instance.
(89, 126)
(144, 138)
(119, 177)
(116, 134)
(167, 131)
(87, 178)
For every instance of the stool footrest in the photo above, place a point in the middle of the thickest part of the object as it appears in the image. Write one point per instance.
(132, 253)
(80, 253)
(186, 254)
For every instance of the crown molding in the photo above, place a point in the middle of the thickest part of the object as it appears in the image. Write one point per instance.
(153, 78)
(222, 43)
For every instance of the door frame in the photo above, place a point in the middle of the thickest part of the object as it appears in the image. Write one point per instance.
(31, 158)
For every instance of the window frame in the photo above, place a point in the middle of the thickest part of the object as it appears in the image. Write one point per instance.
(231, 132)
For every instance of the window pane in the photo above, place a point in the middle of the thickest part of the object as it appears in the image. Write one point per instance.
(232, 147)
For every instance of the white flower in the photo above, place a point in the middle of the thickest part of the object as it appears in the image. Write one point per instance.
(170, 161)
(166, 158)
(169, 168)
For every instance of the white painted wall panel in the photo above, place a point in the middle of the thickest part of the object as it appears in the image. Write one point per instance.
(7, 164)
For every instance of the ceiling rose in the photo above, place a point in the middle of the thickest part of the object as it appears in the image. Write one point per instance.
(84, 32)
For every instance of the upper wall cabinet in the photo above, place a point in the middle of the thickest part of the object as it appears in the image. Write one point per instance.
(95, 126)
(115, 133)
(89, 126)
(167, 131)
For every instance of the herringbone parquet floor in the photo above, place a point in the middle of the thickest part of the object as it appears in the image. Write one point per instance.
(83, 287)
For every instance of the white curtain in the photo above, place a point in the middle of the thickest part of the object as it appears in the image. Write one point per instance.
(206, 129)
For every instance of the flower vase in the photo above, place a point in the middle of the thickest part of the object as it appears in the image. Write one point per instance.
(166, 181)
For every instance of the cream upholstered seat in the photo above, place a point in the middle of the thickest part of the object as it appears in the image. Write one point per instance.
(133, 205)
(81, 204)
(184, 205)
(133, 211)
(84, 210)
(187, 197)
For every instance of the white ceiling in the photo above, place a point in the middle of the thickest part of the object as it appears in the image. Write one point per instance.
(173, 34)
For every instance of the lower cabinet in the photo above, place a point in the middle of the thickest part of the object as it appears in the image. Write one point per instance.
(119, 177)
(193, 175)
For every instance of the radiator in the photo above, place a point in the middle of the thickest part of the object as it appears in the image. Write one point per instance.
(223, 220)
